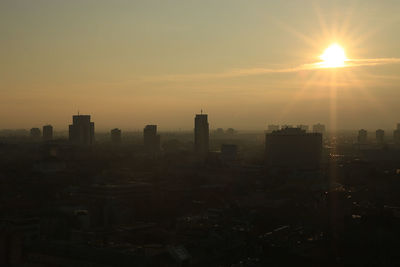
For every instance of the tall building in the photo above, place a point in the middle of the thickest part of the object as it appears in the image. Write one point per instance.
(151, 138)
(319, 128)
(273, 127)
(47, 132)
(35, 134)
(362, 136)
(293, 148)
(201, 134)
(116, 136)
(81, 131)
(380, 136)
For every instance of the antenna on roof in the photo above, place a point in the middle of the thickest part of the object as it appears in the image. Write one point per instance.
(201, 111)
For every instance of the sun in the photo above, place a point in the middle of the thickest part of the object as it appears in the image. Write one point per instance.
(333, 57)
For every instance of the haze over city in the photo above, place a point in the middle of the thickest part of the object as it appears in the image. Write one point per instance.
(191, 133)
(247, 64)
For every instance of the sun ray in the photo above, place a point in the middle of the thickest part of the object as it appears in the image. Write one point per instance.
(299, 94)
(342, 84)
(322, 22)
(363, 91)
(346, 22)
(307, 39)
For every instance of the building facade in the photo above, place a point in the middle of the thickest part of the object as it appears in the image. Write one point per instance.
(293, 148)
(81, 131)
(201, 134)
(47, 132)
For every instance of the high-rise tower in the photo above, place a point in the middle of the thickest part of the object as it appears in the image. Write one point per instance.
(201, 134)
(81, 131)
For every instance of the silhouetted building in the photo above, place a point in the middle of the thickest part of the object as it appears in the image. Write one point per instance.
(284, 126)
(380, 136)
(35, 134)
(47, 132)
(16, 234)
(151, 138)
(362, 136)
(293, 148)
(396, 134)
(228, 152)
(201, 134)
(319, 128)
(273, 127)
(116, 136)
(81, 131)
(303, 127)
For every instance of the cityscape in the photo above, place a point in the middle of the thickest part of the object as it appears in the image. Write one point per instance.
(195, 133)
(288, 195)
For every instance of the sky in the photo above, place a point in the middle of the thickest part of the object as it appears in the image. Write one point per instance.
(132, 63)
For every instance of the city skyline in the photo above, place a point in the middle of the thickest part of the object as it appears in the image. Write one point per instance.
(200, 119)
(266, 127)
(188, 133)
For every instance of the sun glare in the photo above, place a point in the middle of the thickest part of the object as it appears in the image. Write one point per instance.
(333, 57)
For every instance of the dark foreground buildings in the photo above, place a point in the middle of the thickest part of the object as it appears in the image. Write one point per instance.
(380, 136)
(35, 134)
(104, 205)
(116, 136)
(201, 134)
(47, 132)
(293, 148)
(151, 139)
(362, 136)
(396, 134)
(229, 152)
(81, 131)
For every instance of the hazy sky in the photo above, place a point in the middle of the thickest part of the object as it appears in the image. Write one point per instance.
(131, 63)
